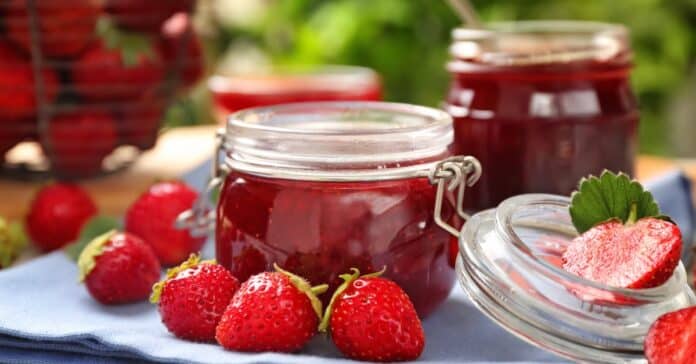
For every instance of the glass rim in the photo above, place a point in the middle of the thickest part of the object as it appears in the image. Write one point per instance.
(539, 26)
(338, 140)
(538, 42)
(438, 118)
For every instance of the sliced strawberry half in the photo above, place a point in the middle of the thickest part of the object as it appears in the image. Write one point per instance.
(624, 240)
(640, 255)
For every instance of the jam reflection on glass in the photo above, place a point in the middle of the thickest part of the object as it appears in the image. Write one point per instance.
(322, 229)
(540, 128)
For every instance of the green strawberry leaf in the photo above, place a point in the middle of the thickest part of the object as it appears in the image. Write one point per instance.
(131, 45)
(610, 196)
(94, 227)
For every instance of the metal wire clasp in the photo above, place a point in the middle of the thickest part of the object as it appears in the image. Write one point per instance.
(461, 172)
(200, 219)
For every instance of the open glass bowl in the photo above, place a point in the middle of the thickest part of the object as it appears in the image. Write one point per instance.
(510, 267)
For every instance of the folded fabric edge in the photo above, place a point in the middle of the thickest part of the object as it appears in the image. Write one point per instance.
(77, 344)
(48, 345)
(12, 355)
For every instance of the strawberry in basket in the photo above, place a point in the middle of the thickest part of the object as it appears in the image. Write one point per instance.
(139, 120)
(181, 49)
(109, 72)
(80, 139)
(65, 27)
(17, 86)
(18, 108)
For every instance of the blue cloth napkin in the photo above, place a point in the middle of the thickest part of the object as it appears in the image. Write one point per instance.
(47, 317)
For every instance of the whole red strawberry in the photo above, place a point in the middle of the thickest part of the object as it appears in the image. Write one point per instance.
(371, 318)
(193, 297)
(18, 88)
(65, 27)
(639, 255)
(181, 49)
(79, 141)
(145, 16)
(272, 311)
(118, 73)
(152, 217)
(671, 338)
(57, 214)
(118, 268)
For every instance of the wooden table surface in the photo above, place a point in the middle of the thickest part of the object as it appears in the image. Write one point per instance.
(177, 151)
(181, 149)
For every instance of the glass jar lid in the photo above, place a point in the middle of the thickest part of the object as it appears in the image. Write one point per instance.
(338, 141)
(510, 267)
(528, 43)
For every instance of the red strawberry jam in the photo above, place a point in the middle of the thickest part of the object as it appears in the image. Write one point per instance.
(322, 229)
(542, 107)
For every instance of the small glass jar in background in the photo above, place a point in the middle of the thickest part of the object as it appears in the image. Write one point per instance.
(541, 104)
(510, 266)
(322, 187)
(234, 92)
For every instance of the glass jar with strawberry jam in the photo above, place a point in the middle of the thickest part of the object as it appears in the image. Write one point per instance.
(319, 188)
(541, 104)
(510, 266)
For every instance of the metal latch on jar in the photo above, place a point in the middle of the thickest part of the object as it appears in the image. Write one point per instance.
(200, 219)
(458, 172)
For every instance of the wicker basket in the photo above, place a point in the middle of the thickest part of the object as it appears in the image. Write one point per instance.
(91, 100)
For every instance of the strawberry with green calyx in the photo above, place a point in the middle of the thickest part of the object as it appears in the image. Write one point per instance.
(121, 66)
(12, 241)
(118, 268)
(625, 241)
(193, 297)
(371, 318)
(272, 311)
(94, 227)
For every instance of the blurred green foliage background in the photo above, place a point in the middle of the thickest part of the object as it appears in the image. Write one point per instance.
(406, 42)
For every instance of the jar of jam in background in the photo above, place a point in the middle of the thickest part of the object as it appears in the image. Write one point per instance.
(319, 188)
(541, 104)
(232, 92)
